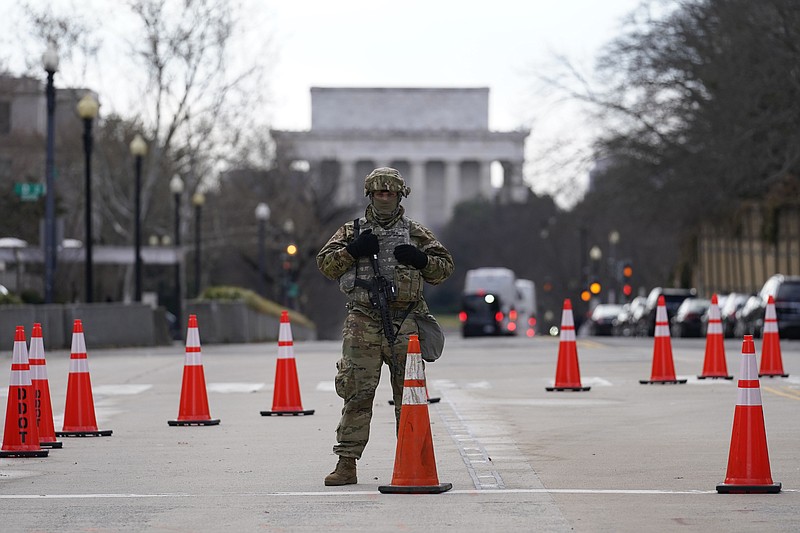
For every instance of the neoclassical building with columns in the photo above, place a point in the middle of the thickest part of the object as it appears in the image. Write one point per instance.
(438, 138)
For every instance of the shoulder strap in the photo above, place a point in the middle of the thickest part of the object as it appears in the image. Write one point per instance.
(356, 229)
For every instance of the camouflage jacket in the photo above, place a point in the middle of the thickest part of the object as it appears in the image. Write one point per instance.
(334, 260)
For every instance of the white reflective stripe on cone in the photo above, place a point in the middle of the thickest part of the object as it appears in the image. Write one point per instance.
(414, 368)
(20, 354)
(193, 359)
(566, 318)
(662, 330)
(714, 328)
(285, 332)
(770, 313)
(285, 351)
(568, 334)
(78, 343)
(415, 396)
(770, 326)
(748, 370)
(20, 378)
(193, 338)
(38, 370)
(713, 313)
(79, 365)
(749, 397)
(661, 314)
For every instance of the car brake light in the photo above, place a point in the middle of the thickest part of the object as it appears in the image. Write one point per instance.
(498, 316)
(512, 315)
(512, 326)
(462, 316)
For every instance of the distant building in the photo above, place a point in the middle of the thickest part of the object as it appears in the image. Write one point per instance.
(438, 138)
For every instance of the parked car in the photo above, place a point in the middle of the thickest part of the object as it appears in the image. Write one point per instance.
(786, 292)
(728, 309)
(689, 318)
(601, 321)
(631, 312)
(673, 298)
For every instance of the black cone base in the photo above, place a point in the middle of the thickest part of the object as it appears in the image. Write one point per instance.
(99, 433)
(662, 381)
(577, 389)
(724, 488)
(33, 453)
(424, 489)
(55, 444)
(773, 375)
(287, 413)
(714, 377)
(430, 400)
(209, 422)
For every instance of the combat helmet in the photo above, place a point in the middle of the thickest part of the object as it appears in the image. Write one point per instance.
(385, 179)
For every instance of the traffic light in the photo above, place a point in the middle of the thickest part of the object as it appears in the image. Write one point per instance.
(595, 287)
(627, 272)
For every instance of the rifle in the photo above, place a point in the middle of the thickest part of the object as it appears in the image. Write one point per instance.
(381, 294)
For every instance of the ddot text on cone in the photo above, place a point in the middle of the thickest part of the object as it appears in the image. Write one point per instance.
(20, 436)
(43, 406)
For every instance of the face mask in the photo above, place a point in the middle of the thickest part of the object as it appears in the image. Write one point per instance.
(385, 206)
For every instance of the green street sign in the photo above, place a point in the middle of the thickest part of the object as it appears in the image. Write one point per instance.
(29, 192)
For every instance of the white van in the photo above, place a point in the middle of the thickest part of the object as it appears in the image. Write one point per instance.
(488, 303)
(526, 307)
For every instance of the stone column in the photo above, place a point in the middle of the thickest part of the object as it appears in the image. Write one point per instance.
(514, 189)
(347, 192)
(485, 177)
(452, 187)
(415, 204)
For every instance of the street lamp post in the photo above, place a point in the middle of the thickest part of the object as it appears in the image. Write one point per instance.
(87, 110)
(613, 240)
(197, 200)
(262, 215)
(176, 188)
(138, 150)
(50, 62)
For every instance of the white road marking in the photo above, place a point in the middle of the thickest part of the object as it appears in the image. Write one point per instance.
(226, 388)
(326, 386)
(119, 390)
(349, 493)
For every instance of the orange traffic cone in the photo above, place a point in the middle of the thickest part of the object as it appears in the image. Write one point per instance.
(20, 438)
(193, 409)
(568, 374)
(748, 459)
(79, 417)
(42, 405)
(771, 360)
(663, 368)
(286, 394)
(714, 365)
(414, 461)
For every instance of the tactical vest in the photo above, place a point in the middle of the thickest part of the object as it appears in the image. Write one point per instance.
(407, 280)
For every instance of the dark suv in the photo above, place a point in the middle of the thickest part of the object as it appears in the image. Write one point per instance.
(786, 292)
(672, 300)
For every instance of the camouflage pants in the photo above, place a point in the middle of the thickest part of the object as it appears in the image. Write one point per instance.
(364, 351)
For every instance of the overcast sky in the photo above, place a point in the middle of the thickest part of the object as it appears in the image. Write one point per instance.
(498, 44)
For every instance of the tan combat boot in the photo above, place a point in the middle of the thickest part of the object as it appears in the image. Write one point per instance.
(344, 474)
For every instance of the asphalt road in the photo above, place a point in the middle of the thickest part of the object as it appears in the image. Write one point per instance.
(620, 457)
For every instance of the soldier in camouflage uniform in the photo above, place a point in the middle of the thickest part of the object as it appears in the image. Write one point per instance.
(408, 254)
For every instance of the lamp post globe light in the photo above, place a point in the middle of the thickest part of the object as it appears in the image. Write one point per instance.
(262, 215)
(176, 188)
(198, 199)
(50, 63)
(138, 151)
(87, 110)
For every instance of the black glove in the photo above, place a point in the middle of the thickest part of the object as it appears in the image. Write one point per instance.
(365, 244)
(408, 254)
